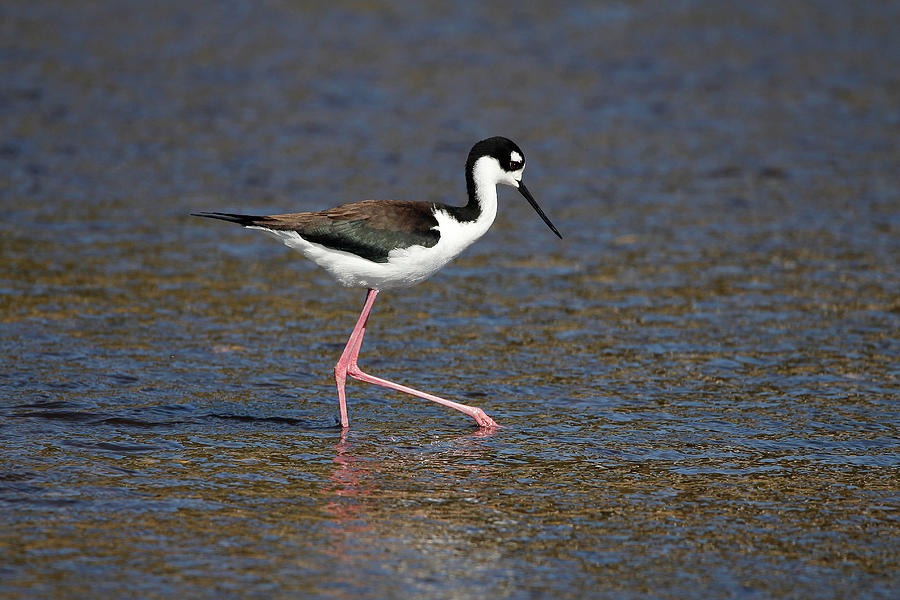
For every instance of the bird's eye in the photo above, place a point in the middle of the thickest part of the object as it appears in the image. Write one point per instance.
(516, 161)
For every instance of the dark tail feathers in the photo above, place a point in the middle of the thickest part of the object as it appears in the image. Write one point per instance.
(245, 220)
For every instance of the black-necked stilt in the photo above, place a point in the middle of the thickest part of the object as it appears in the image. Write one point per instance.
(385, 244)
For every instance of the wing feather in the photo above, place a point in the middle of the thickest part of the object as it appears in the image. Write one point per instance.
(369, 229)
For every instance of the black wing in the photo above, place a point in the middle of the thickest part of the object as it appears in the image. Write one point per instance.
(369, 229)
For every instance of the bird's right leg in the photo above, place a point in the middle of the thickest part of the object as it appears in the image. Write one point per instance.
(350, 354)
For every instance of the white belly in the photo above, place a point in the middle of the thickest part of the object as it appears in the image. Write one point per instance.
(404, 267)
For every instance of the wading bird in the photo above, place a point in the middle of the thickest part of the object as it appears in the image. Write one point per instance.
(388, 244)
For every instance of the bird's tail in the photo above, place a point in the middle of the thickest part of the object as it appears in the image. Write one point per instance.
(245, 220)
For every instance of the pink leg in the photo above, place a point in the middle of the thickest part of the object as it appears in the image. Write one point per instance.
(348, 356)
(347, 366)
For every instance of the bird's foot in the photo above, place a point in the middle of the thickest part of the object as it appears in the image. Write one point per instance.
(483, 420)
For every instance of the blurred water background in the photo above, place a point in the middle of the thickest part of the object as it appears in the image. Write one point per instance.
(699, 384)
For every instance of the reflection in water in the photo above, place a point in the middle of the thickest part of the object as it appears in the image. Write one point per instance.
(353, 480)
(390, 502)
(348, 493)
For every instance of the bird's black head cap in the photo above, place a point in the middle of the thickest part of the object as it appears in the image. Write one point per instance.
(506, 151)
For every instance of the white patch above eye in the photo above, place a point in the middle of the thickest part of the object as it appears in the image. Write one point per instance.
(515, 157)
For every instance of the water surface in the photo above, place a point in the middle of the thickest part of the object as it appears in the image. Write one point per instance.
(698, 386)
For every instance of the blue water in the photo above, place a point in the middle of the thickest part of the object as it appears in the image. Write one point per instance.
(698, 385)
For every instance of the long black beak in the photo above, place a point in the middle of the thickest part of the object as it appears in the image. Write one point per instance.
(524, 191)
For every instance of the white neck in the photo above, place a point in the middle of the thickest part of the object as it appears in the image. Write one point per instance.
(486, 175)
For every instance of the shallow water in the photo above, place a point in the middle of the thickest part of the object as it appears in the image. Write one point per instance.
(698, 386)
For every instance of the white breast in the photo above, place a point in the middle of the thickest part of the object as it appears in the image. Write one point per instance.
(407, 266)
(404, 267)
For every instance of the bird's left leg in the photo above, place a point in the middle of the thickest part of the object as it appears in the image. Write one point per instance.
(353, 370)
